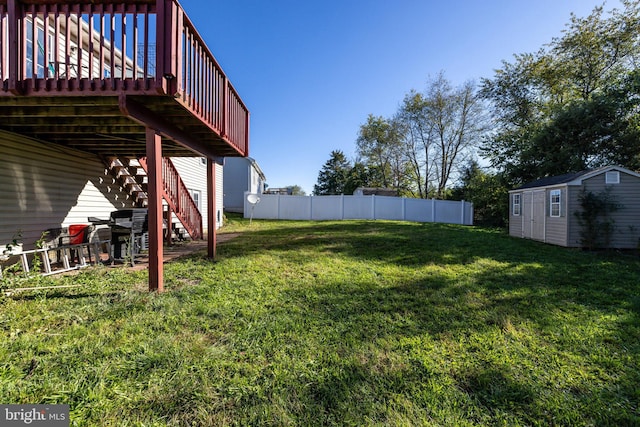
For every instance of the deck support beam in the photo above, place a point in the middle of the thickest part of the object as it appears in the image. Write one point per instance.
(148, 118)
(154, 191)
(211, 209)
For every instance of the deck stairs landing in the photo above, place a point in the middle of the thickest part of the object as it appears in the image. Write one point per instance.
(131, 175)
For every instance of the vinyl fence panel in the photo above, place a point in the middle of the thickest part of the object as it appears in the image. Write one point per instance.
(272, 206)
(358, 207)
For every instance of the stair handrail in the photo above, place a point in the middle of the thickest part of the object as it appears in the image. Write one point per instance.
(177, 196)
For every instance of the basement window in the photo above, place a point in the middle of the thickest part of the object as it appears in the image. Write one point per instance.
(196, 195)
(612, 177)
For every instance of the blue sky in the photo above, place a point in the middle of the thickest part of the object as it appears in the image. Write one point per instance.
(311, 71)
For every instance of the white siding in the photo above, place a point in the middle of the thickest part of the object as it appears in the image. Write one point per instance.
(47, 186)
(219, 196)
(193, 171)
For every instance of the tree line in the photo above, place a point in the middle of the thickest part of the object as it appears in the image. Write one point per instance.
(572, 105)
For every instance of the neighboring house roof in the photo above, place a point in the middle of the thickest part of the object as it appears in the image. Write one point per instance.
(378, 191)
(257, 168)
(573, 178)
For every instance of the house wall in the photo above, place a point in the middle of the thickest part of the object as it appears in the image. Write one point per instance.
(626, 220)
(46, 186)
(236, 182)
(241, 175)
(219, 195)
(193, 171)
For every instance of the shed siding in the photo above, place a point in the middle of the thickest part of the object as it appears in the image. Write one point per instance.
(556, 227)
(515, 221)
(45, 186)
(573, 231)
(627, 219)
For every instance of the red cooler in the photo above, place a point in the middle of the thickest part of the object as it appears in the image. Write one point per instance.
(78, 233)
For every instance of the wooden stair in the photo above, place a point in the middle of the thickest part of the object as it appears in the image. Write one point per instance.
(132, 176)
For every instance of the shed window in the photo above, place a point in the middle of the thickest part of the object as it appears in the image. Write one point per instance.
(612, 177)
(516, 205)
(554, 196)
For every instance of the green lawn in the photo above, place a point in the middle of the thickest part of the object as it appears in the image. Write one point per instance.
(339, 323)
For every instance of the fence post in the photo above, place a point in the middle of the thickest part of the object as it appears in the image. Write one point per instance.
(433, 210)
(462, 212)
(404, 211)
(278, 205)
(373, 206)
(342, 206)
(311, 207)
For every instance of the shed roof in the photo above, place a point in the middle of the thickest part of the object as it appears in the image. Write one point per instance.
(554, 180)
(573, 178)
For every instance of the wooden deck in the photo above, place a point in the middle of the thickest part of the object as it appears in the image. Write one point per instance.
(142, 64)
(129, 78)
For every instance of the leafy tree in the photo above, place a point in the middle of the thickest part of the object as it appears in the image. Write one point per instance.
(296, 190)
(487, 191)
(594, 217)
(379, 148)
(437, 129)
(333, 176)
(418, 137)
(361, 175)
(571, 105)
(457, 118)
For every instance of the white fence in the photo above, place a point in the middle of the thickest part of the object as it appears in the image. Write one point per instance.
(273, 206)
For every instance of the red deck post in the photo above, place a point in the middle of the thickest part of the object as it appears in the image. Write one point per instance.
(16, 62)
(154, 191)
(211, 208)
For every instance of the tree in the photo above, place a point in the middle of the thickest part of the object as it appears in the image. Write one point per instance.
(379, 147)
(456, 115)
(571, 105)
(333, 176)
(296, 190)
(595, 218)
(418, 137)
(487, 191)
(361, 175)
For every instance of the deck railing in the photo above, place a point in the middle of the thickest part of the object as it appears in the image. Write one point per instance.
(177, 195)
(142, 47)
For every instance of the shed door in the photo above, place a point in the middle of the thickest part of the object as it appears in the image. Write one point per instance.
(533, 214)
(539, 211)
(527, 214)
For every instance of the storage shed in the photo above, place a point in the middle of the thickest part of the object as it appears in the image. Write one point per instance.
(545, 209)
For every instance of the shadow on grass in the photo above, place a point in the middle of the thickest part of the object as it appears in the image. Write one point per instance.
(500, 288)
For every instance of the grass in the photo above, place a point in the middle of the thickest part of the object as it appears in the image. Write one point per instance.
(339, 323)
